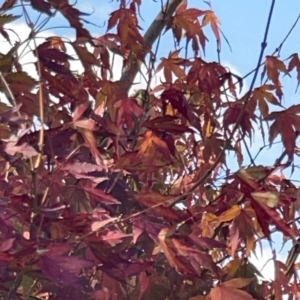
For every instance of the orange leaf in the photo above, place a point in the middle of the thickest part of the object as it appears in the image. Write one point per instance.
(100, 224)
(229, 214)
(251, 175)
(228, 290)
(286, 123)
(273, 67)
(295, 63)
(211, 18)
(181, 7)
(170, 251)
(243, 228)
(262, 95)
(267, 216)
(152, 199)
(128, 110)
(92, 144)
(237, 283)
(151, 145)
(57, 43)
(271, 199)
(171, 66)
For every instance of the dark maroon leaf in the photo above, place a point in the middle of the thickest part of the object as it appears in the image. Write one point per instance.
(56, 273)
(6, 245)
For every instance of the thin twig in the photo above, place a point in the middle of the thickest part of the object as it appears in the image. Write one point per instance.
(237, 124)
(228, 102)
(41, 132)
(277, 50)
(11, 97)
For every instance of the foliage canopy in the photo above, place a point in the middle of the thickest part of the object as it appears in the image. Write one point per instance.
(111, 195)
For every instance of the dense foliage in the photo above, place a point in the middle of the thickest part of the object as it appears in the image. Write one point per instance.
(111, 195)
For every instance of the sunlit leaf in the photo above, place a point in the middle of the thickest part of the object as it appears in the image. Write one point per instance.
(269, 198)
(229, 290)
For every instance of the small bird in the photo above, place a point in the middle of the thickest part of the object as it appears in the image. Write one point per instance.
(143, 99)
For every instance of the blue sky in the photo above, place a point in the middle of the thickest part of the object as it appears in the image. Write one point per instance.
(243, 23)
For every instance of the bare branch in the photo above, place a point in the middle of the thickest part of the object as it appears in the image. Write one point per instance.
(152, 35)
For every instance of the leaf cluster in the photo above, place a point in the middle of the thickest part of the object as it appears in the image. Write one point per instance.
(111, 195)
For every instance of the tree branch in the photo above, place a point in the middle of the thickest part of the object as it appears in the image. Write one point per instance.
(152, 35)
